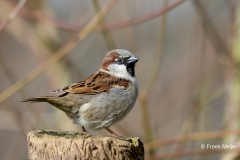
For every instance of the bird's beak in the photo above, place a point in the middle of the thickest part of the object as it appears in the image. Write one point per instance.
(132, 60)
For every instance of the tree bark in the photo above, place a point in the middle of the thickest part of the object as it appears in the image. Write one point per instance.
(65, 145)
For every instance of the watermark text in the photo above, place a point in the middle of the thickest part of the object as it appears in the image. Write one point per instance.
(219, 146)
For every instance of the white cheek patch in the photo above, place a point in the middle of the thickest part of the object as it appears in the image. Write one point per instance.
(117, 69)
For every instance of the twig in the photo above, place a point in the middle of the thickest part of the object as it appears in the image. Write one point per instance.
(106, 34)
(191, 137)
(1, 72)
(12, 15)
(144, 18)
(156, 65)
(144, 96)
(197, 109)
(72, 27)
(11, 77)
(191, 153)
(58, 55)
(232, 102)
(218, 43)
(132, 46)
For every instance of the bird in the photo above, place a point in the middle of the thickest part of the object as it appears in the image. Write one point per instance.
(102, 99)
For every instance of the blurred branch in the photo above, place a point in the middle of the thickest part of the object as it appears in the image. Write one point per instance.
(133, 48)
(40, 41)
(195, 116)
(233, 90)
(218, 43)
(144, 95)
(11, 76)
(28, 13)
(191, 137)
(155, 68)
(106, 34)
(58, 55)
(145, 18)
(193, 152)
(12, 15)
(1, 72)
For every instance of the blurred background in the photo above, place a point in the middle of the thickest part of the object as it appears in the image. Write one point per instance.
(188, 71)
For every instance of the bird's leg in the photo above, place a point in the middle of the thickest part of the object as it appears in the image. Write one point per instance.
(110, 131)
(84, 130)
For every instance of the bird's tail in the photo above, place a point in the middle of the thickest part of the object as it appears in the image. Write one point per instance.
(37, 99)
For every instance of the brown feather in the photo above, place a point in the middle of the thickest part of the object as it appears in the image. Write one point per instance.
(109, 59)
(97, 83)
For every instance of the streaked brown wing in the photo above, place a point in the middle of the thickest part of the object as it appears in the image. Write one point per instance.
(96, 83)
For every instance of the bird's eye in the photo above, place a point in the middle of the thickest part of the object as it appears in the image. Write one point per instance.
(120, 60)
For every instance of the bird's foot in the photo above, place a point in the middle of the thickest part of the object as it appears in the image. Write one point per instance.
(113, 133)
(84, 130)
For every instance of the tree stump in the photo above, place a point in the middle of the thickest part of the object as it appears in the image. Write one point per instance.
(65, 145)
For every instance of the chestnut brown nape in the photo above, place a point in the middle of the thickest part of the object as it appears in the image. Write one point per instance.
(109, 59)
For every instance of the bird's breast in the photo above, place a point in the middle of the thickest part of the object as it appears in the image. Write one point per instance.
(107, 108)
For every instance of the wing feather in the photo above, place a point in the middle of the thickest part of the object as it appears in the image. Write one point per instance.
(97, 83)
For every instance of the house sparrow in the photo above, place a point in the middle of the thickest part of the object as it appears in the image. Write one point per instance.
(104, 98)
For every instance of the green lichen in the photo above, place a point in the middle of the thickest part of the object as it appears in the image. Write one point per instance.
(60, 134)
(133, 141)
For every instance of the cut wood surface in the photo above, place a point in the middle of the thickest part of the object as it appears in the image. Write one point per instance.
(68, 145)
